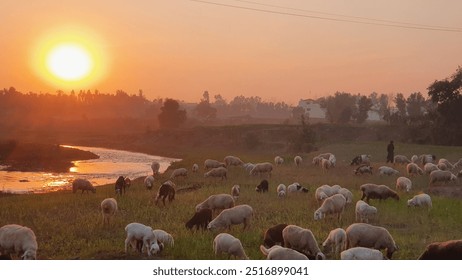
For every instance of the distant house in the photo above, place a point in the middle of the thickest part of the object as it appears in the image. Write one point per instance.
(312, 108)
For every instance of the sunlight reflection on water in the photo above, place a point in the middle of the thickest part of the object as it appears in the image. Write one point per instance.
(105, 170)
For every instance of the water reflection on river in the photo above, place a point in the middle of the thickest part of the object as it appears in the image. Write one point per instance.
(105, 170)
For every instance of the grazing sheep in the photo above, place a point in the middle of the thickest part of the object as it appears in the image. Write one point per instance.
(226, 243)
(211, 163)
(216, 202)
(403, 183)
(369, 236)
(108, 209)
(443, 176)
(324, 192)
(278, 160)
(427, 158)
(361, 253)
(401, 159)
(442, 166)
(149, 182)
(262, 168)
(335, 241)
(155, 166)
(200, 219)
(120, 185)
(137, 232)
(347, 194)
(82, 184)
(195, 168)
(17, 239)
(302, 240)
(386, 170)
(361, 160)
(164, 237)
(166, 190)
(277, 252)
(413, 169)
(298, 160)
(429, 167)
(235, 191)
(183, 172)
(240, 214)
(422, 199)
(217, 172)
(326, 164)
(281, 187)
(364, 211)
(373, 191)
(363, 169)
(415, 159)
(317, 160)
(273, 235)
(326, 155)
(447, 250)
(331, 206)
(296, 187)
(232, 161)
(262, 187)
(282, 193)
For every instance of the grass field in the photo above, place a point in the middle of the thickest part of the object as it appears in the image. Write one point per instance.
(69, 226)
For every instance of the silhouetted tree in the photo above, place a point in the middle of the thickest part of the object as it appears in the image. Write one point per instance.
(364, 105)
(171, 116)
(340, 107)
(204, 110)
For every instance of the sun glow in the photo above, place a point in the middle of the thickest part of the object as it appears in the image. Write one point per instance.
(69, 62)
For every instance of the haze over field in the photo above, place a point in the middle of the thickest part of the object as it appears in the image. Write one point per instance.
(278, 50)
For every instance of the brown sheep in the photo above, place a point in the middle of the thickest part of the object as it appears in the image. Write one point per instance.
(373, 191)
(200, 219)
(447, 250)
(167, 189)
(273, 235)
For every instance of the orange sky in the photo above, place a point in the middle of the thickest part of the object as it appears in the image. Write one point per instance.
(179, 48)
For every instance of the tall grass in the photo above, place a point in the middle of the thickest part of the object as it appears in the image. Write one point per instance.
(69, 226)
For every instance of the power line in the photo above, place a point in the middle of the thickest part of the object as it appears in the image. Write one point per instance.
(384, 23)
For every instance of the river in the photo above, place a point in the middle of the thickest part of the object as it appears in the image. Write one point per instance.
(105, 170)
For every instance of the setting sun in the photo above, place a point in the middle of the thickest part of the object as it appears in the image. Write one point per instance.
(69, 62)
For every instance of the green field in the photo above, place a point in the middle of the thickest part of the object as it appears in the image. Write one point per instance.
(69, 226)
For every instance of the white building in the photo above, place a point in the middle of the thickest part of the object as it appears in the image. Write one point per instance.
(312, 108)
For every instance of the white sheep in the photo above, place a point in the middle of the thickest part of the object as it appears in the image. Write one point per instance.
(324, 192)
(20, 240)
(386, 170)
(298, 160)
(347, 194)
(302, 240)
(422, 199)
(429, 167)
(365, 235)
(425, 158)
(415, 159)
(317, 160)
(262, 168)
(235, 191)
(82, 184)
(282, 193)
(183, 172)
(155, 166)
(211, 163)
(413, 169)
(217, 172)
(226, 243)
(195, 168)
(281, 187)
(403, 183)
(336, 241)
(442, 166)
(446, 162)
(232, 161)
(216, 202)
(240, 214)
(149, 182)
(401, 159)
(361, 253)
(277, 252)
(441, 176)
(296, 187)
(108, 209)
(326, 164)
(137, 232)
(333, 160)
(364, 211)
(164, 237)
(331, 206)
(278, 160)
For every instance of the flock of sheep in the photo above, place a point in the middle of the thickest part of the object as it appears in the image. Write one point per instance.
(359, 240)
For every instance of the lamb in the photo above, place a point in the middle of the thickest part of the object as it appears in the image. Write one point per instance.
(166, 190)
(298, 160)
(369, 236)
(447, 250)
(302, 240)
(137, 232)
(347, 194)
(262, 187)
(273, 235)
(403, 183)
(441, 176)
(164, 237)
(331, 205)
(278, 160)
(183, 172)
(277, 252)
(422, 199)
(17, 239)
(149, 182)
(361, 253)
(155, 166)
(200, 219)
(235, 191)
(211, 163)
(363, 169)
(217, 172)
(226, 243)
(108, 209)
(120, 185)
(373, 191)
(82, 184)
(364, 211)
(240, 214)
(401, 159)
(296, 187)
(262, 168)
(386, 170)
(335, 241)
(195, 168)
(232, 161)
(413, 169)
(429, 167)
(216, 202)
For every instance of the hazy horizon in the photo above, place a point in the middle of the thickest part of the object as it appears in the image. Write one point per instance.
(278, 50)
